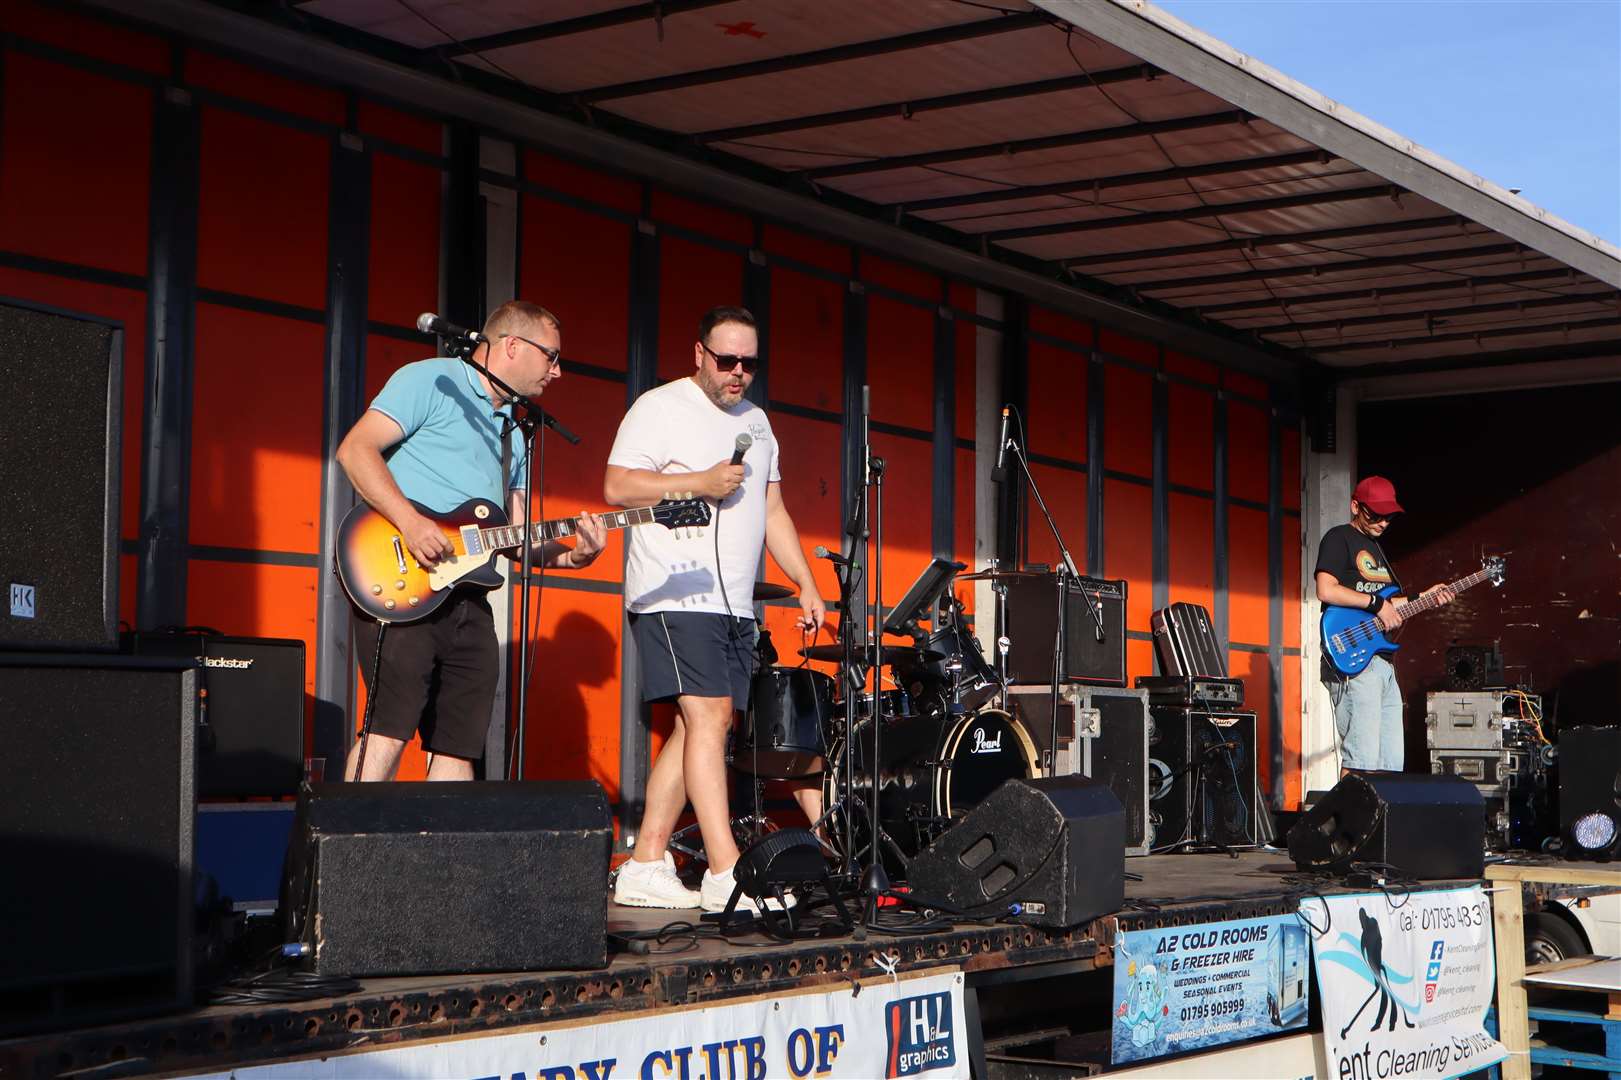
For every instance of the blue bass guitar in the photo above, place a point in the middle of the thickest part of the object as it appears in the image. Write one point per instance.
(1352, 637)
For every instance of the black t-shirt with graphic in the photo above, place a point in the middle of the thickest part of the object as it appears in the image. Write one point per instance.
(1355, 559)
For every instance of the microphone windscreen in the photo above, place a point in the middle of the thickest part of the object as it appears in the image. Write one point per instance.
(744, 440)
(425, 323)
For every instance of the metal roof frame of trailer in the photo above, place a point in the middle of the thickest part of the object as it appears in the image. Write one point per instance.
(330, 62)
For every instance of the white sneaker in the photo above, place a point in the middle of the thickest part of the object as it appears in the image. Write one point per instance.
(653, 884)
(717, 890)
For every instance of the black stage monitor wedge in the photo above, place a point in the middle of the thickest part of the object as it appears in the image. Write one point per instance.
(1590, 791)
(61, 429)
(251, 738)
(1050, 852)
(97, 826)
(1423, 826)
(1094, 630)
(422, 878)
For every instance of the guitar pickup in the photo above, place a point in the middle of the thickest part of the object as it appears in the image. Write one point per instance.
(399, 555)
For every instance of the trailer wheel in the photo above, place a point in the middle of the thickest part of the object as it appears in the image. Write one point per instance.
(1548, 939)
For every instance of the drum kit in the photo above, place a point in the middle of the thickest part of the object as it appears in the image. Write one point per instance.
(947, 739)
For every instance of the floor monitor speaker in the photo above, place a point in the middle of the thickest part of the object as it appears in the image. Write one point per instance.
(97, 826)
(1420, 825)
(421, 878)
(1048, 852)
(62, 431)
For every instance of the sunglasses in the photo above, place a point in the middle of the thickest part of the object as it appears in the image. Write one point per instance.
(554, 355)
(728, 362)
(1376, 519)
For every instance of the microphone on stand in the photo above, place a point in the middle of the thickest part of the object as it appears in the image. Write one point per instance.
(429, 323)
(999, 473)
(831, 556)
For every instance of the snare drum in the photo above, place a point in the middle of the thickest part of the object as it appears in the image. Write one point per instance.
(935, 769)
(782, 735)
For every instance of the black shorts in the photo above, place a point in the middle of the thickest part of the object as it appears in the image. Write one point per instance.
(438, 674)
(694, 653)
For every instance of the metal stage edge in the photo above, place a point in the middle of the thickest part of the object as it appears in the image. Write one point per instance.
(1179, 889)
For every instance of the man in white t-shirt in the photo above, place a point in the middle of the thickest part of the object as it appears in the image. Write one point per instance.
(691, 599)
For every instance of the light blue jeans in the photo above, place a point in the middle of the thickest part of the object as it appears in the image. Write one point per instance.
(1367, 714)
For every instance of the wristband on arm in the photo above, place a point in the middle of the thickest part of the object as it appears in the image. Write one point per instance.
(1375, 602)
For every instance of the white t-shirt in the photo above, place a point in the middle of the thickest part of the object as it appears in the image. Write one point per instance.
(676, 428)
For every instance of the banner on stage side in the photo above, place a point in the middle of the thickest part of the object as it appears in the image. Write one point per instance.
(889, 1028)
(1185, 988)
(1405, 980)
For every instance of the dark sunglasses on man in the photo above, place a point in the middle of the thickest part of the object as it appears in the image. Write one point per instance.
(728, 363)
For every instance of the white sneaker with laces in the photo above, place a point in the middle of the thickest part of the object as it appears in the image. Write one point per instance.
(653, 885)
(717, 890)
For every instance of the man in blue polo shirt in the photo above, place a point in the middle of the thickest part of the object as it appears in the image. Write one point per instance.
(433, 437)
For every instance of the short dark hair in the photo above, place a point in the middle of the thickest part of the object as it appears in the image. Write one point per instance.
(723, 314)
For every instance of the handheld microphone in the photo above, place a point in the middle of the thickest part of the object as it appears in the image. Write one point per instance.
(831, 556)
(741, 447)
(999, 473)
(429, 323)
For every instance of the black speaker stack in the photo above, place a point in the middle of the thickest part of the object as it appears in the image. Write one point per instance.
(1202, 779)
(1590, 792)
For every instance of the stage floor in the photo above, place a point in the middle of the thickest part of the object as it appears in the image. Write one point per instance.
(1173, 889)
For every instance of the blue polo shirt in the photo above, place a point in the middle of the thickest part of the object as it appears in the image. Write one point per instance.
(452, 446)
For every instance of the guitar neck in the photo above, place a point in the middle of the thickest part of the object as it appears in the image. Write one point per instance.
(1425, 603)
(510, 536)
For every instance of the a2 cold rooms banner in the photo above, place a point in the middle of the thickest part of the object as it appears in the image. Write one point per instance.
(1405, 981)
(1186, 988)
(907, 1027)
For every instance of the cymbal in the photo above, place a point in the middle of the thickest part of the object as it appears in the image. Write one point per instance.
(891, 654)
(770, 590)
(1003, 575)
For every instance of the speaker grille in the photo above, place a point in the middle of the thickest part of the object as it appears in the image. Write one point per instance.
(59, 517)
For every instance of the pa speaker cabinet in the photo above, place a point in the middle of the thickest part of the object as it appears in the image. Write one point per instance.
(1202, 776)
(97, 824)
(1424, 826)
(422, 878)
(61, 429)
(1047, 852)
(1103, 733)
(1094, 649)
(251, 738)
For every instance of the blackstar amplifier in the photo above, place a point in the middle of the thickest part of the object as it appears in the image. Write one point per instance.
(1094, 630)
(1207, 692)
(251, 730)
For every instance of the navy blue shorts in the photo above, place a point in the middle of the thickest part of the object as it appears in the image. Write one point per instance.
(694, 653)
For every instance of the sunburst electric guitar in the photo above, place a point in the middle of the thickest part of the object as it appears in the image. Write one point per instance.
(387, 583)
(1352, 637)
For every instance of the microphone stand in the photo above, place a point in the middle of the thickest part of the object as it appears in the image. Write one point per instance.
(1067, 573)
(529, 422)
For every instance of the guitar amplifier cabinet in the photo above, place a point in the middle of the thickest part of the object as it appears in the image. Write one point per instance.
(1094, 648)
(251, 729)
(1103, 733)
(1202, 776)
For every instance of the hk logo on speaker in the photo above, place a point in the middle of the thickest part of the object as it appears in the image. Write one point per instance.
(919, 1030)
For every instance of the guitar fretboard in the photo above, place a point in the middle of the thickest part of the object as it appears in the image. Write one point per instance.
(509, 536)
(1365, 630)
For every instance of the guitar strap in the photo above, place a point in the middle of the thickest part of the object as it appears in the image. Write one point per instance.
(507, 424)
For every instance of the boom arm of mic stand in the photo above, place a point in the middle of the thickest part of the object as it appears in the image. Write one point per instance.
(535, 414)
(1069, 561)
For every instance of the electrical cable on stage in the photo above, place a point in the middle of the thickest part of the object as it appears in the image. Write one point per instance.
(281, 985)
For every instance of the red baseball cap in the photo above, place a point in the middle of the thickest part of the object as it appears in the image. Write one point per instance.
(1378, 495)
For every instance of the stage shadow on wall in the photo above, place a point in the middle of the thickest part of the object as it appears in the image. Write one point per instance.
(578, 656)
(1534, 475)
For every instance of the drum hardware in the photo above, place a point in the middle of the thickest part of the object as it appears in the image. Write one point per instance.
(770, 590)
(891, 654)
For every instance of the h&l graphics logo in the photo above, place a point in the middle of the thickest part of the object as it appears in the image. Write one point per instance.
(919, 1030)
